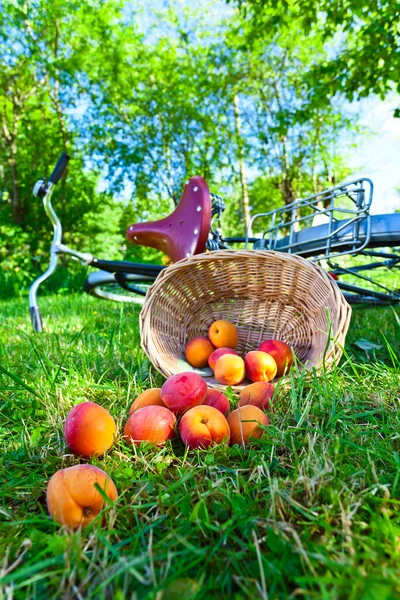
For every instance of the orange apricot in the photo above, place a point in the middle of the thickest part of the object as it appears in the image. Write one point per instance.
(203, 426)
(150, 397)
(258, 394)
(198, 351)
(244, 423)
(218, 400)
(229, 369)
(72, 499)
(223, 334)
(260, 366)
(89, 430)
(217, 353)
(183, 391)
(281, 353)
(150, 424)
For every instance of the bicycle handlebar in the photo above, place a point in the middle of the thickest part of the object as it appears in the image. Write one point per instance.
(59, 169)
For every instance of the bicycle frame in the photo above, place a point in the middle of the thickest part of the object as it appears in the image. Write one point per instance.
(45, 190)
(284, 233)
(289, 231)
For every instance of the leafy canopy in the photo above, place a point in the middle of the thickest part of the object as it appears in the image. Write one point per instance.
(363, 38)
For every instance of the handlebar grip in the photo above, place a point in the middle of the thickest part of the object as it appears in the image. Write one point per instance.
(59, 168)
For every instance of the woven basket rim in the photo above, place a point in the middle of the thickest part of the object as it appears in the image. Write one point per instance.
(343, 308)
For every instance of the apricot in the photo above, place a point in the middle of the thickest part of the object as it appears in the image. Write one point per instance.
(183, 391)
(203, 426)
(198, 351)
(72, 499)
(89, 430)
(281, 353)
(258, 394)
(150, 397)
(150, 424)
(217, 400)
(260, 366)
(223, 334)
(244, 423)
(229, 369)
(217, 353)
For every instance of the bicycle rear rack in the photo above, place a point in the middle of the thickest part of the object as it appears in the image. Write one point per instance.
(331, 223)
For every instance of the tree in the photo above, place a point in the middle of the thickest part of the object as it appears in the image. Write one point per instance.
(145, 111)
(161, 119)
(363, 35)
(291, 142)
(50, 51)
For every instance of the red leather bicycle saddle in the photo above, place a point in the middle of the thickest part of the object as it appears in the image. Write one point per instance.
(185, 231)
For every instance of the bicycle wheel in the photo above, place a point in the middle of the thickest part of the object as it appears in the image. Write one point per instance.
(372, 277)
(106, 286)
(366, 265)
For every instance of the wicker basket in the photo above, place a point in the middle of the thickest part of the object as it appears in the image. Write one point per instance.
(266, 294)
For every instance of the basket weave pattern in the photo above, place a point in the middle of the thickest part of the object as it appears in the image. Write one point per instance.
(266, 294)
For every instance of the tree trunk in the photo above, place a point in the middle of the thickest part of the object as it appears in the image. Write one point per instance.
(59, 111)
(243, 179)
(287, 183)
(17, 209)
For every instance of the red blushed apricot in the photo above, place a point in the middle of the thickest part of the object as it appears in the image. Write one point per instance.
(258, 394)
(151, 397)
(72, 499)
(203, 426)
(217, 353)
(260, 366)
(183, 391)
(89, 430)
(217, 400)
(223, 334)
(229, 369)
(198, 351)
(244, 423)
(281, 353)
(154, 424)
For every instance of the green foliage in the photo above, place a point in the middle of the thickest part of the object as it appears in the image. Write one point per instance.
(49, 49)
(140, 112)
(291, 142)
(364, 37)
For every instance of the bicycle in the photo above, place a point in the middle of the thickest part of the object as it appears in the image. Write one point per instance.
(346, 239)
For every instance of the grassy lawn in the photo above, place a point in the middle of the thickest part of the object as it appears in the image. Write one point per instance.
(310, 511)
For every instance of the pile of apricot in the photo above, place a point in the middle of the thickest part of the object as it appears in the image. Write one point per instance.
(184, 405)
(272, 359)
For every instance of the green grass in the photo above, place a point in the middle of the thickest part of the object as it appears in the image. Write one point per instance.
(310, 511)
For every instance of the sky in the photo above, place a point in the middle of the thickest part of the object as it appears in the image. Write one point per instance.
(377, 155)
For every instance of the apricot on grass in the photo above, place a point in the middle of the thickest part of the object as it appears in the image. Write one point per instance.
(260, 366)
(258, 394)
(203, 426)
(217, 400)
(72, 499)
(89, 430)
(244, 423)
(223, 334)
(183, 391)
(280, 352)
(198, 351)
(229, 369)
(150, 397)
(217, 353)
(150, 424)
